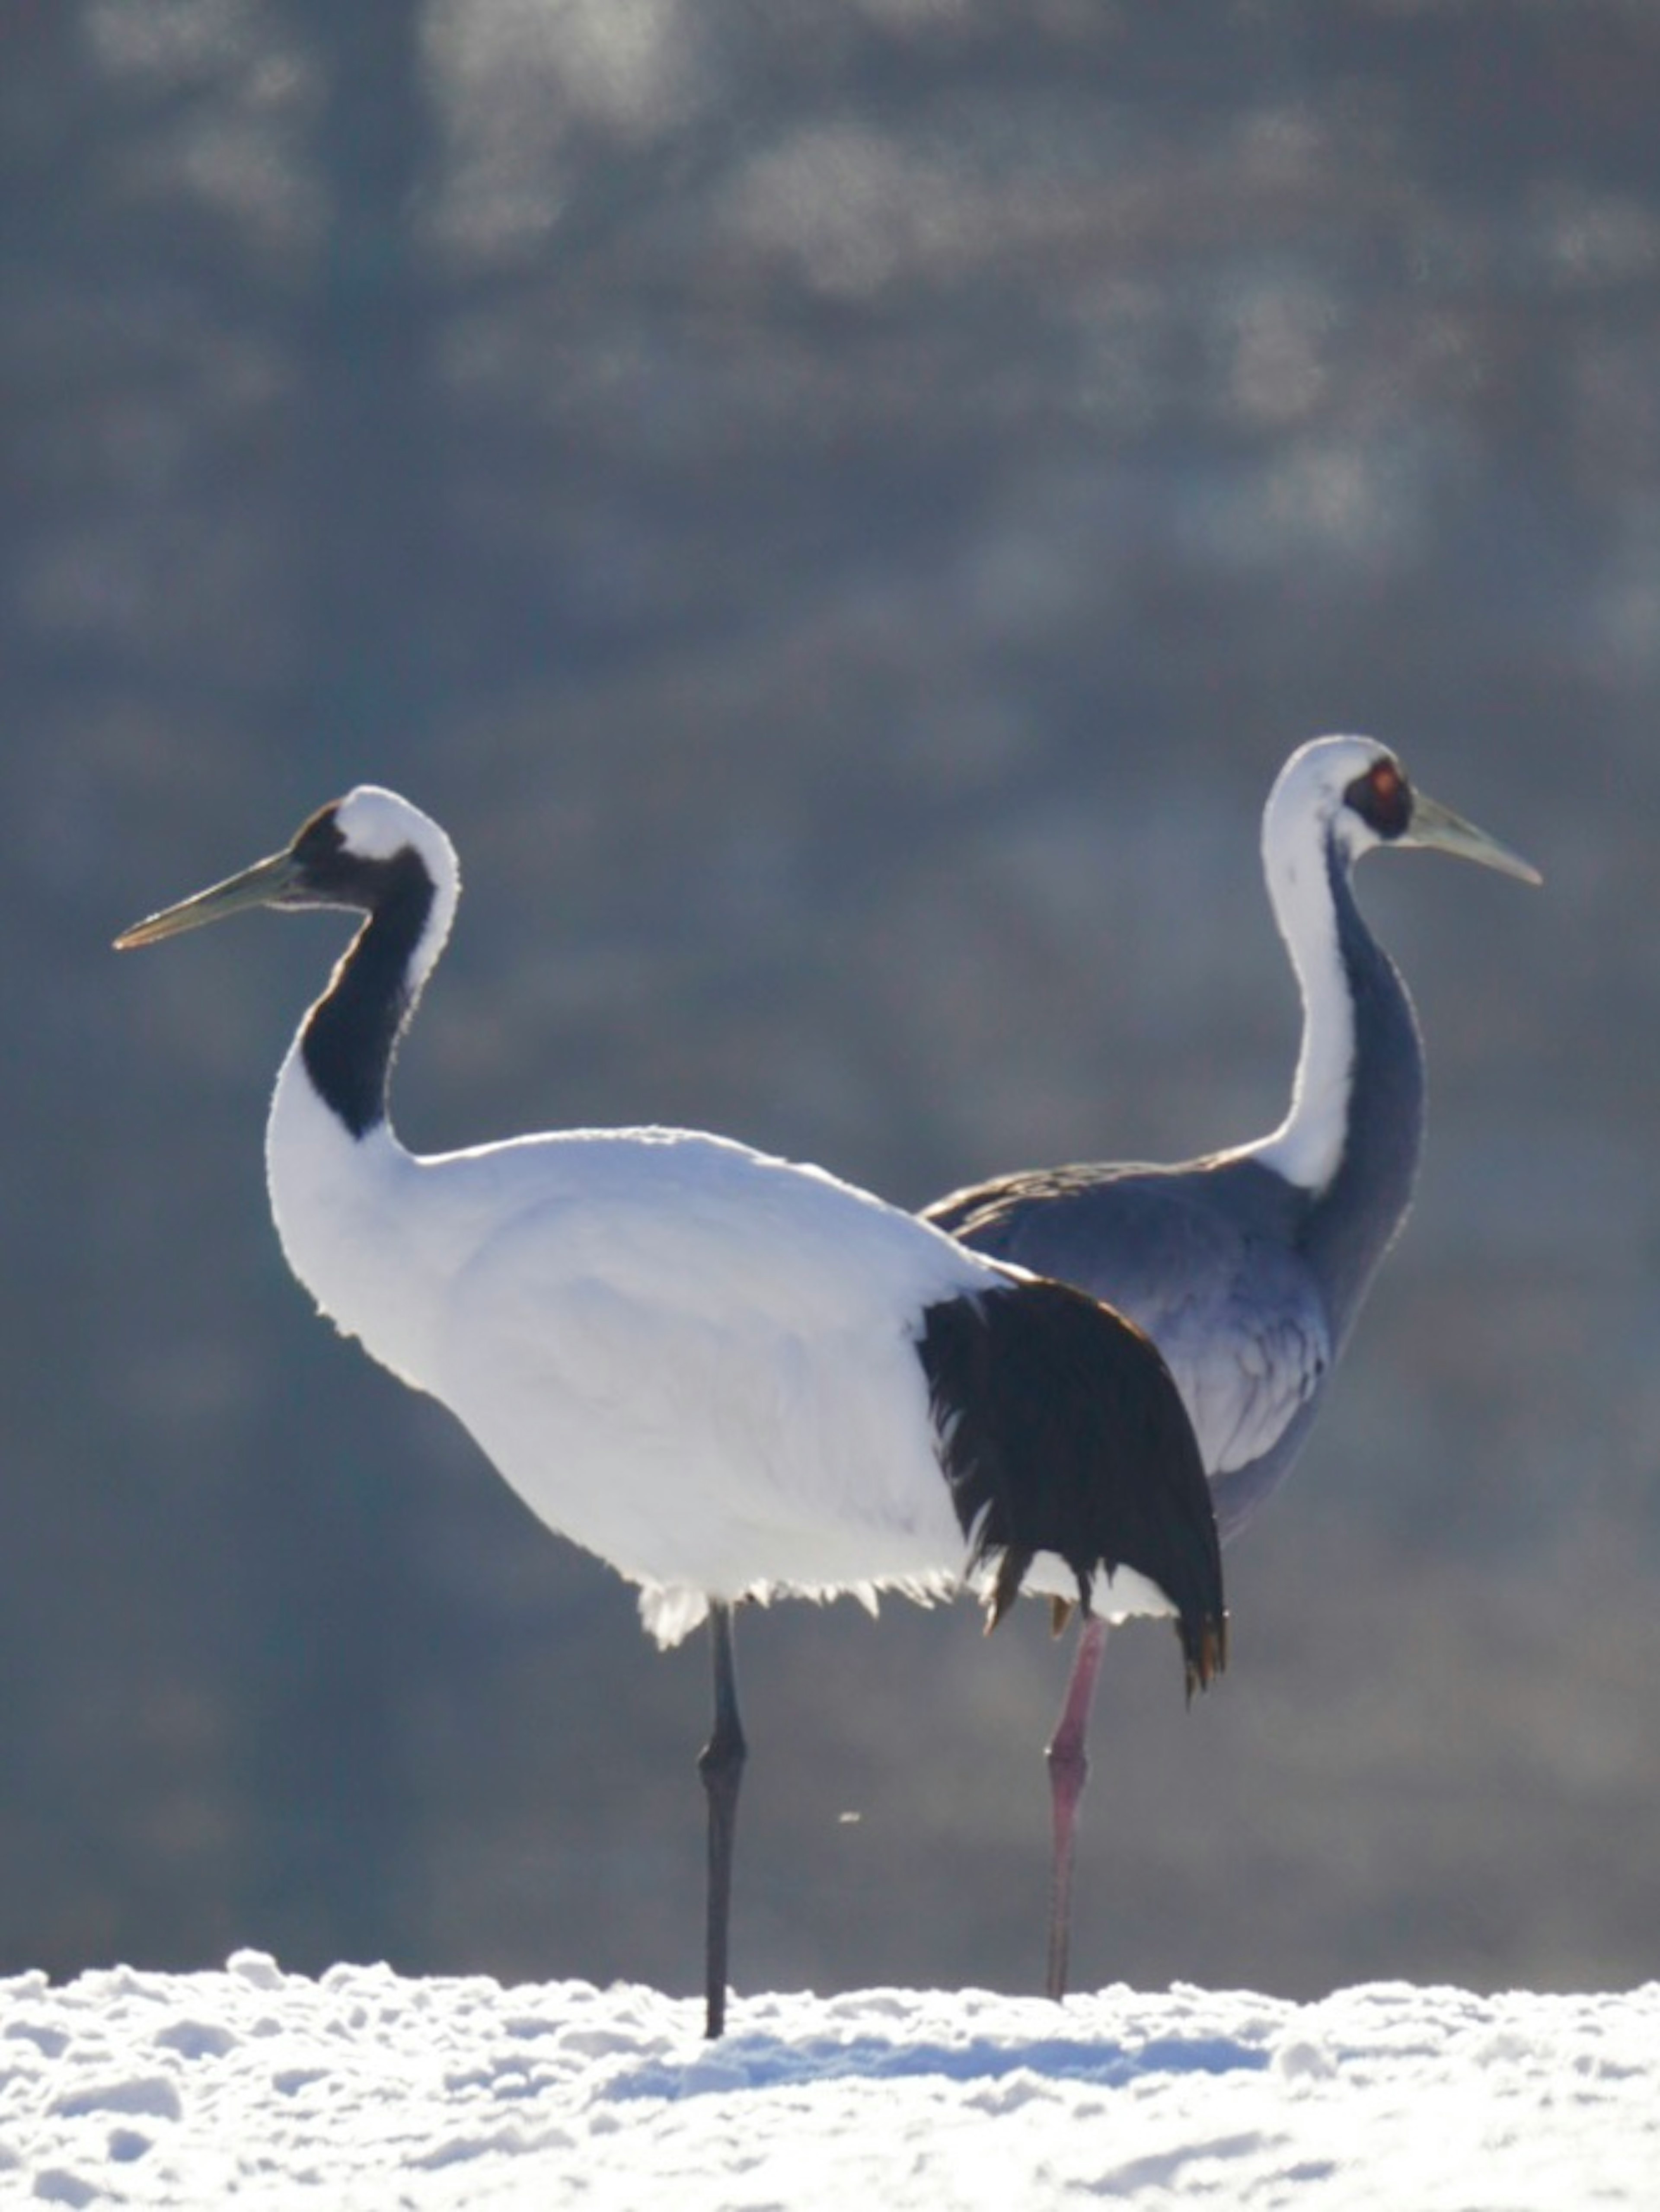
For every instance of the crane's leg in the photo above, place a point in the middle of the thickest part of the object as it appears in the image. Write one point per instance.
(720, 1764)
(1068, 1770)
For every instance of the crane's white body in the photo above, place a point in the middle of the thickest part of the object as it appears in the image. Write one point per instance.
(727, 1376)
(694, 1360)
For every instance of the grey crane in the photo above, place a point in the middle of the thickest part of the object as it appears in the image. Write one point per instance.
(1248, 1268)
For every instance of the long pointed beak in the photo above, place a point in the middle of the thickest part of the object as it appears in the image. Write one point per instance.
(1439, 830)
(266, 884)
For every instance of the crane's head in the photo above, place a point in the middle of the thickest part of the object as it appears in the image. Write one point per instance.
(1355, 792)
(361, 852)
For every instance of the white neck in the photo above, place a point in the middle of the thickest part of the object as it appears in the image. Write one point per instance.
(349, 1219)
(341, 1184)
(1307, 1147)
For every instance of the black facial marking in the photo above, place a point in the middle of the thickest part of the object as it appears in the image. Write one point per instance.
(1382, 798)
(351, 1034)
(331, 874)
(318, 838)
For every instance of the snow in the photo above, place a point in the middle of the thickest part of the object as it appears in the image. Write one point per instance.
(368, 2089)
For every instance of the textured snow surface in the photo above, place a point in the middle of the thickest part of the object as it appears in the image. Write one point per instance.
(258, 2088)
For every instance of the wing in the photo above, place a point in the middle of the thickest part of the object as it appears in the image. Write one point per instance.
(1061, 1432)
(696, 1361)
(1204, 1259)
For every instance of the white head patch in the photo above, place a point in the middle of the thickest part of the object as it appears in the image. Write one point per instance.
(375, 824)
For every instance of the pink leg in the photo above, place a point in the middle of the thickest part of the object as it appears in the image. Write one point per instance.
(1068, 1770)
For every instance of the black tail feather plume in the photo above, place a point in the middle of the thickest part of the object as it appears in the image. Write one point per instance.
(1061, 1431)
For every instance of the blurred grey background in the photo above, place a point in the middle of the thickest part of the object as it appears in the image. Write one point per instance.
(841, 509)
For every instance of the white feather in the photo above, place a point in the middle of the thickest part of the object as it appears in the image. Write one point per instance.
(694, 1359)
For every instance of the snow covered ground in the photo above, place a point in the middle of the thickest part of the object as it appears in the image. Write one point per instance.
(261, 2089)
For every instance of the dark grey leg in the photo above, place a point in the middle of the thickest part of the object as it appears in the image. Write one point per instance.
(720, 1764)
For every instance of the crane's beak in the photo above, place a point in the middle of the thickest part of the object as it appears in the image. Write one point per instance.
(1439, 830)
(267, 883)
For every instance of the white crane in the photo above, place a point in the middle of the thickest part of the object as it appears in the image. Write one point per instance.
(1248, 1268)
(729, 1376)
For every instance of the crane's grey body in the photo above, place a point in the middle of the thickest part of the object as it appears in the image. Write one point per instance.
(1247, 1281)
(1248, 1269)
(1207, 1259)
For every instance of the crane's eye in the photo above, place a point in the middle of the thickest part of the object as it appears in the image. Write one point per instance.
(1382, 798)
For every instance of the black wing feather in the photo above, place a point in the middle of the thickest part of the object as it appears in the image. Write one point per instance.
(1061, 1431)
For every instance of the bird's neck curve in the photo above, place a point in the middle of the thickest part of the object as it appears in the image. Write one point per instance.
(1307, 880)
(349, 1039)
(341, 1186)
(1355, 1130)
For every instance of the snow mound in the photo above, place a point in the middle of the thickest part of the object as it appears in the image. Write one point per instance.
(366, 2089)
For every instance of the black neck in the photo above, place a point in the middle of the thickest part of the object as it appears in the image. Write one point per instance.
(1356, 1218)
(351, 1034)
